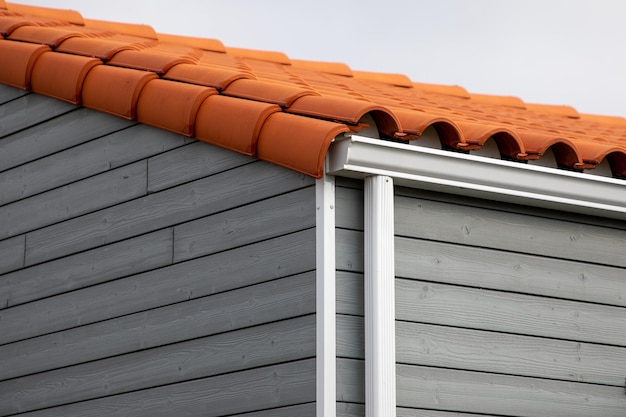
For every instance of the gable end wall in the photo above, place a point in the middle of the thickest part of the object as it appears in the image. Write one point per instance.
(144, 273)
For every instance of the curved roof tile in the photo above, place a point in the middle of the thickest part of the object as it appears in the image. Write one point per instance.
(208, 75)
(22, 57)
(270, 92)
(61, 75)
(283, 133)
(51, 36)
(232, 123)
(171, 105)
(264, 104)
(347, 111)
(115, 90)
(70, 16)
(102, 48)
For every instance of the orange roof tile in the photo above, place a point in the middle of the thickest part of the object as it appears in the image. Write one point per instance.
(241, 122)
(200, 43)
(70, 16)
(141, 31)
(61, 75)
(264, 104)
(22, 57)
(171, 105)
(51, 36)
(115, 90)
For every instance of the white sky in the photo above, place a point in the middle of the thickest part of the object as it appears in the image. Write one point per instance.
(544, 51)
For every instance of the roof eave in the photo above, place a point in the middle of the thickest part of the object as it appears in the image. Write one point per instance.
(513, 182)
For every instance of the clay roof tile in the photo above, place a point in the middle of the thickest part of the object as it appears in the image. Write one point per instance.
(51, 36)
(142, 31)
(147, 60)
(18, 59)
(271, 56)
(296, 142)
(114, 90)
(103, 48)
(281, 110)
(171, 105)
(200, 43)
(61, 75)
(70, 16)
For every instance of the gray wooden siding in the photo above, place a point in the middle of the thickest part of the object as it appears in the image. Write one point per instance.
(142, 273)
(508, 312)
(349, 281)
(500, 310)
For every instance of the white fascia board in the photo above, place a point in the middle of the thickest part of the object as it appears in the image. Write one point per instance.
(326, 339)
(475, 176)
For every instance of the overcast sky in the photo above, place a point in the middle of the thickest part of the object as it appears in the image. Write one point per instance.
(543, 51)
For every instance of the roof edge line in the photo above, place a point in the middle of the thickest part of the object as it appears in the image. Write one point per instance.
(475, 176)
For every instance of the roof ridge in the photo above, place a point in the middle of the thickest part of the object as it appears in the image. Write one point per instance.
(71, 16)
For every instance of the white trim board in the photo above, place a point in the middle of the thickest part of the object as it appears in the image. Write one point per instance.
(475, 176)
(326, 339)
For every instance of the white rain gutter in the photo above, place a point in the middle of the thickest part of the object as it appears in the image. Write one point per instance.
(476, 176)
(381, 163)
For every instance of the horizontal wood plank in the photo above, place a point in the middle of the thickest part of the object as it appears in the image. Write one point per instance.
(350, 410)
(350, 337)
(450, 390)
(350, 380)
(56, 135)
(412, 412)
(481, 227)
(91, 158)
(349, 250)
(350, 290)
(11, 257)
(301, 410)
(228, 311)
(29, 110)
(200, 198)
(224, 271)
(191, 162)
(450, 347)
(349, 213)
(257, 389)
(262, 220)
(107, 189)
(487, 268)
(510, 208)
(358, 410)
(87, 268)
(509, 312)
(219, 354)
(8, 93)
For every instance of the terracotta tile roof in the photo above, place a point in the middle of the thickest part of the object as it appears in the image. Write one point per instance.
(285, 111)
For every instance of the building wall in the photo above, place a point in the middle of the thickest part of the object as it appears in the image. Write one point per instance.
(144, 273)
(350, 332)
(500, 309)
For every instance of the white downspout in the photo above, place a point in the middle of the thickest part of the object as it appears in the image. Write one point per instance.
(380, 342)
(326, 371)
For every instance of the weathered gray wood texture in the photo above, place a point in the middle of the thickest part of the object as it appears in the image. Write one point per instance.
(142, 273)
(495, 303)
(500, 310)
(349, 282)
